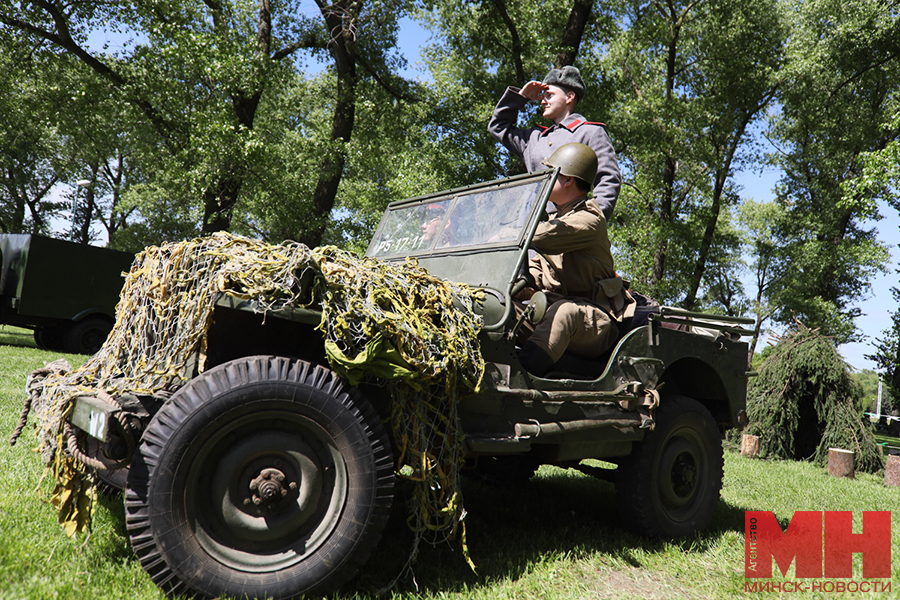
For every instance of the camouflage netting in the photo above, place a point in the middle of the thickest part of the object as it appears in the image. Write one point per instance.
(805, 402)
(390, 321)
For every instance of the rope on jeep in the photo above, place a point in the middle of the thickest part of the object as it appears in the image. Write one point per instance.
(101, 463)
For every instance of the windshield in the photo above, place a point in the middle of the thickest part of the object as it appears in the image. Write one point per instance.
(492, 216)
(477, 235)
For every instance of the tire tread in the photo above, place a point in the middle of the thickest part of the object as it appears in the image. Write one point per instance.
(247, 372)
(634, 496)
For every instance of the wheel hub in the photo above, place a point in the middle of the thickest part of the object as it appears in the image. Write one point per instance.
(683, 473)
(269, 487)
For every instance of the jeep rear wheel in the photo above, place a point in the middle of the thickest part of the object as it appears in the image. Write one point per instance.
(263, 477)
(669, 486)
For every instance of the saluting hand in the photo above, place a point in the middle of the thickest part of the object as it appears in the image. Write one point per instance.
(533, 90)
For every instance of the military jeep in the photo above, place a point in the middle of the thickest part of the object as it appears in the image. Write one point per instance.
(268, 475)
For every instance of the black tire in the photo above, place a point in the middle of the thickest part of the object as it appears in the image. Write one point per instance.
(86, 336)
(668, 487)
(111, 483)
(49, 338)
(190, 503)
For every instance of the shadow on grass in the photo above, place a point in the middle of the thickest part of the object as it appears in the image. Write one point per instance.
(15, 336)
(115, 545)
(511, 529)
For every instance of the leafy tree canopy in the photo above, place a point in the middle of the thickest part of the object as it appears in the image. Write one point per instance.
(206, 120)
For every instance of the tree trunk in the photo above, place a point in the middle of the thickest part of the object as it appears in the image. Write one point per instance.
(574, 31)
(670, 165)
(749, 445)
(840, 463)
(664, 217)
(706, 243)
(116, 219)
(83, 214)
(220, 199)
(332, 165)
(18, 193)
(218, 203)
(516, 49)
(892, 471)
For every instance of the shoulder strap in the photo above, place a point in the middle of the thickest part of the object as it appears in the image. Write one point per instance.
(578, 123)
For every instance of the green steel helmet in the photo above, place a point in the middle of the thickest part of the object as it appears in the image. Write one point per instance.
(575, 160)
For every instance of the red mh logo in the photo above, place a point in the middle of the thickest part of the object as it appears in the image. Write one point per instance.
(822, 548)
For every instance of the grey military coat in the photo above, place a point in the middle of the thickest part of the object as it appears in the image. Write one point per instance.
(535, 144)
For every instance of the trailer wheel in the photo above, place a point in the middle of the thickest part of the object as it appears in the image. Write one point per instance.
(668, 487)
(86, 336)
(49, 338)
(263, 477)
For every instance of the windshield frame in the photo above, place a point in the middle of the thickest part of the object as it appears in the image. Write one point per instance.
(488, 265)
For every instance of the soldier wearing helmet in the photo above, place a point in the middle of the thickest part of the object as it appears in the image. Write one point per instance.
(575, 269)
(559, 94)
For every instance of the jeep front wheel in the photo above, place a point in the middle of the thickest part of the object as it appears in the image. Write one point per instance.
(263, 478)
(669, 486)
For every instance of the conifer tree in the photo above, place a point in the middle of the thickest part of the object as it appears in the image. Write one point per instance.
(805, 402)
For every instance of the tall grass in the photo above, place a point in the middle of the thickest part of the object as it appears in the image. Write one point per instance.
(558, 537)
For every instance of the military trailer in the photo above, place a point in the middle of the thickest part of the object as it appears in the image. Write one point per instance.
(65, 292)
(268, 476)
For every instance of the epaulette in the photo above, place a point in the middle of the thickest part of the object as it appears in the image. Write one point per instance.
(578, 123)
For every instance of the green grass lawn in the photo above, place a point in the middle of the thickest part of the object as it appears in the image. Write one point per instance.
(557, 537)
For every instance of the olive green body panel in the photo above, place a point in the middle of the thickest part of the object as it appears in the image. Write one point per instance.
(579, 417)
(46, 281)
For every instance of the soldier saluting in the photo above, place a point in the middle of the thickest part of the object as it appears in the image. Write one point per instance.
(559, 94)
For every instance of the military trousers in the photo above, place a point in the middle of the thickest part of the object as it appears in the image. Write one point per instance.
(576, 326)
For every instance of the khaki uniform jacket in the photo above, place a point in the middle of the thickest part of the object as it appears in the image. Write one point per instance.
(535, 144)
(579, 260)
